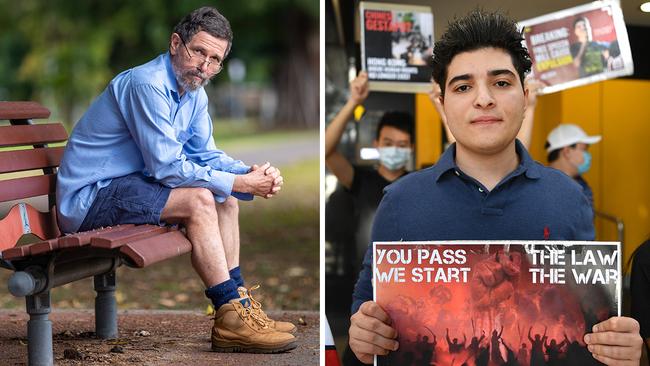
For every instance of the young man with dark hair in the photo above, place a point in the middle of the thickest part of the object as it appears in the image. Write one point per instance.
(148, 142)
(485, 186)
(394, 141)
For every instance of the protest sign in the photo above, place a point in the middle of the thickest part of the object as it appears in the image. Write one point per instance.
(396, 46)
(578, 46)
(470, 302)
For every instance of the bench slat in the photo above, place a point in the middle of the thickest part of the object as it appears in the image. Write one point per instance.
(32, 134)
(30, 249)
(15, 253)
(152, 250)
(115, 239)
(15, 189)
(44, 247)
(83, 238)
(19, 160)
(22, 110)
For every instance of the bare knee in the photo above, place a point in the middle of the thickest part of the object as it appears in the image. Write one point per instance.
(197, 206)
(185, 204)
(229, 207)
(202, 202)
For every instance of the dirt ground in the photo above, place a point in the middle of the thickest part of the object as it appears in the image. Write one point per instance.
(149, 337)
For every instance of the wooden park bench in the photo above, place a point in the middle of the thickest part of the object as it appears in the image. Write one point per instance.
(50, 259)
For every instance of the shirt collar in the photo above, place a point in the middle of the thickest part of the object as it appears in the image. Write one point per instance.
(172, 83)
(527, 165)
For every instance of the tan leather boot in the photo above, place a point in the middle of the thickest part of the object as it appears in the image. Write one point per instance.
(238, 327)
(280, 326)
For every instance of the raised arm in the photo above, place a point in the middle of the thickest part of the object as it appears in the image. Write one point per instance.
(335, 161)
(434, 95)
(526, 131)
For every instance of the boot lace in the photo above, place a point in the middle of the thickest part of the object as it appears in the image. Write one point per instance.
(250, 314)
(256, 305)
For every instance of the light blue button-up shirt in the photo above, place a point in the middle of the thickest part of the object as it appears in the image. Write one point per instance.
(140, 123)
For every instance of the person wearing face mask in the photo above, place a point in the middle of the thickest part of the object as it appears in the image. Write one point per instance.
(567, 151)
(394, 142)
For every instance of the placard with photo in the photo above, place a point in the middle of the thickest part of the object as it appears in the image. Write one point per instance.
(396, 46)
(578, 46)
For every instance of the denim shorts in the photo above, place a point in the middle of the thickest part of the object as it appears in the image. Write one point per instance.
(131, 199)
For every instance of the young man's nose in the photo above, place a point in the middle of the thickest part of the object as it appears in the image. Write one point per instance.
(484, 97)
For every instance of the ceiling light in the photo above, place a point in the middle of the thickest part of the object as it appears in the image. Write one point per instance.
(645, 7)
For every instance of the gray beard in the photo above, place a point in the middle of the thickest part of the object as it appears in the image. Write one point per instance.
(189, 86)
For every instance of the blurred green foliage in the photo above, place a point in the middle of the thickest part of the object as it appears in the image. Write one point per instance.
(64, 52)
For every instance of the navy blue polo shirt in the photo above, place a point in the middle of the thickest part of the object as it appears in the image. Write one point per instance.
(442, 203)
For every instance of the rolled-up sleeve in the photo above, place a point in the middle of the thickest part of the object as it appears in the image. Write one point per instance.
(153, 132)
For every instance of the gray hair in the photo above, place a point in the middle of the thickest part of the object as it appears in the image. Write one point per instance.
(207, 19)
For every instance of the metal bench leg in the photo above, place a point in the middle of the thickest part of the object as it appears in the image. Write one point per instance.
(39, 330)
(105, 306)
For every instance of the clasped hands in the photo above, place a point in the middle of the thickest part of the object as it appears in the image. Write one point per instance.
(263, 181)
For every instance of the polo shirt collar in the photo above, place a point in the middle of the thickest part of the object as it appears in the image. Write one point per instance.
(171, 81)
(447, 162)
(527, 165)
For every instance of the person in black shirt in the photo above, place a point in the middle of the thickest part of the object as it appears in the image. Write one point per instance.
(393, 140)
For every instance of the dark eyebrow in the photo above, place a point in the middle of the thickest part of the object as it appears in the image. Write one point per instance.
(496, 72)
(459, 77)
(501, 72)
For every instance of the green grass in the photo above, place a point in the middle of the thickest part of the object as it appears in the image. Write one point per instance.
(260, 139)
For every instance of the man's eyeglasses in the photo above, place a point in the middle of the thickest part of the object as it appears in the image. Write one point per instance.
(213, 65)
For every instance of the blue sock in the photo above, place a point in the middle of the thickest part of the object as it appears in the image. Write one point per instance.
(235, 275)
(222, 293)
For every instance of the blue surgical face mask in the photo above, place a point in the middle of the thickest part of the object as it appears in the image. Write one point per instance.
(394, 158)
(586, 164)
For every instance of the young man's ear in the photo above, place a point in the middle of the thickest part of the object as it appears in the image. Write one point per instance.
(526, 92)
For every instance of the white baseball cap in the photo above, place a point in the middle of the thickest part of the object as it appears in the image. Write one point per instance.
(568, 134)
